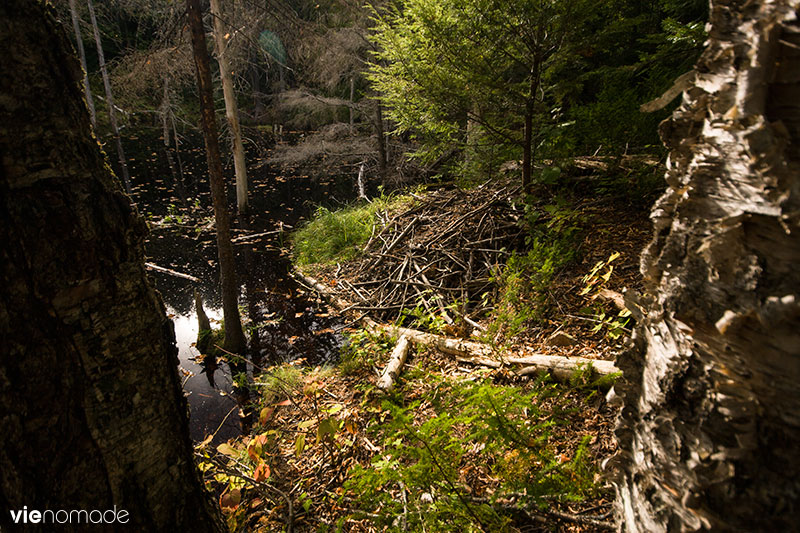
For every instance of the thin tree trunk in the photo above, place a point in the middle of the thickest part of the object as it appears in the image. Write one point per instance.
(711, 411)
(76, 24)
(527, 143)
(382, 163)
(234, 336)
(92, 413)
(231, 109)
(526, 151)
(165, 112)
(352, 97)
(112, 115)
(258, 98)
(178, 152)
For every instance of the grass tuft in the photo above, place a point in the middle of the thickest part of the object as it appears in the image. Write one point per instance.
(334, 236)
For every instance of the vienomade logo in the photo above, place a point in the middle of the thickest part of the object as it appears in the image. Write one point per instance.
(74, 516)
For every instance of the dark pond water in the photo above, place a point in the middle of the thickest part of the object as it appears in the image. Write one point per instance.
(284, 324)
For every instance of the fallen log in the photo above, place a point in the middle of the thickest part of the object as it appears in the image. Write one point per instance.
(245, 238)
(152, 266)
(396, 362)
(612, 296)
(561, 368)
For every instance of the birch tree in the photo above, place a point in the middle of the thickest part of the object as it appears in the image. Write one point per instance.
(87, 89)
(112, 114)
(221, 38)
(711, 411)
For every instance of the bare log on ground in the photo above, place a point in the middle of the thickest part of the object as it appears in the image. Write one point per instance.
(245, 238)
(612, 296)
(395, 365)
(561, 368)
(174, 273)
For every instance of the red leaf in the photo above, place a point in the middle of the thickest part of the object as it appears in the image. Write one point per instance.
(262, 472)
(266, 414)
(230, 500)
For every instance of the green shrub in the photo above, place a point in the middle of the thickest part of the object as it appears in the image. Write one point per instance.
(524, 280)
(363, 350)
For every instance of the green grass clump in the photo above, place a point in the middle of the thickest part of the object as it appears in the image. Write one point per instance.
(280, 382)
(332, 236)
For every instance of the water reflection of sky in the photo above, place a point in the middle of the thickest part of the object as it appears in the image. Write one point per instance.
(208, 406)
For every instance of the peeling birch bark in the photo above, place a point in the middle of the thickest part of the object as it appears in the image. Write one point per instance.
(711, 412)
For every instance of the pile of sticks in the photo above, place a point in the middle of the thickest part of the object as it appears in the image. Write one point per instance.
(439, 256)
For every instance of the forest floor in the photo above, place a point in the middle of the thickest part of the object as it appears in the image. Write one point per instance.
(454, 446)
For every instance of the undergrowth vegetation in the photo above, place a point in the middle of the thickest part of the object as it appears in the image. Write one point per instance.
(444, 452)
(443, 445)
(551, 241)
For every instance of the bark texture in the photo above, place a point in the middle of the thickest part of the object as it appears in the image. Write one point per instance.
(91, 408)
(711, 411)
(234, 336)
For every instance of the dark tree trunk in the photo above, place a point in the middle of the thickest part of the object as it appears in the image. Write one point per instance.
(91, 410)
(530, 109)
(711, 410)
(234, 336)
(527, 155)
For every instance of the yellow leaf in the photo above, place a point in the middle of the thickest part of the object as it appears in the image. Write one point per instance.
(335, 409)
(204, 443)
(254, 449)
(226, 449)
(305, 424)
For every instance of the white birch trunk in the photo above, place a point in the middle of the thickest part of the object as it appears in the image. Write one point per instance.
(112, 115)
(76, 24)
(711, 410)
(231, 109)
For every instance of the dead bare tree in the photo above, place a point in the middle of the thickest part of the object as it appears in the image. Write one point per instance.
(231, 108)
(112, 114)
